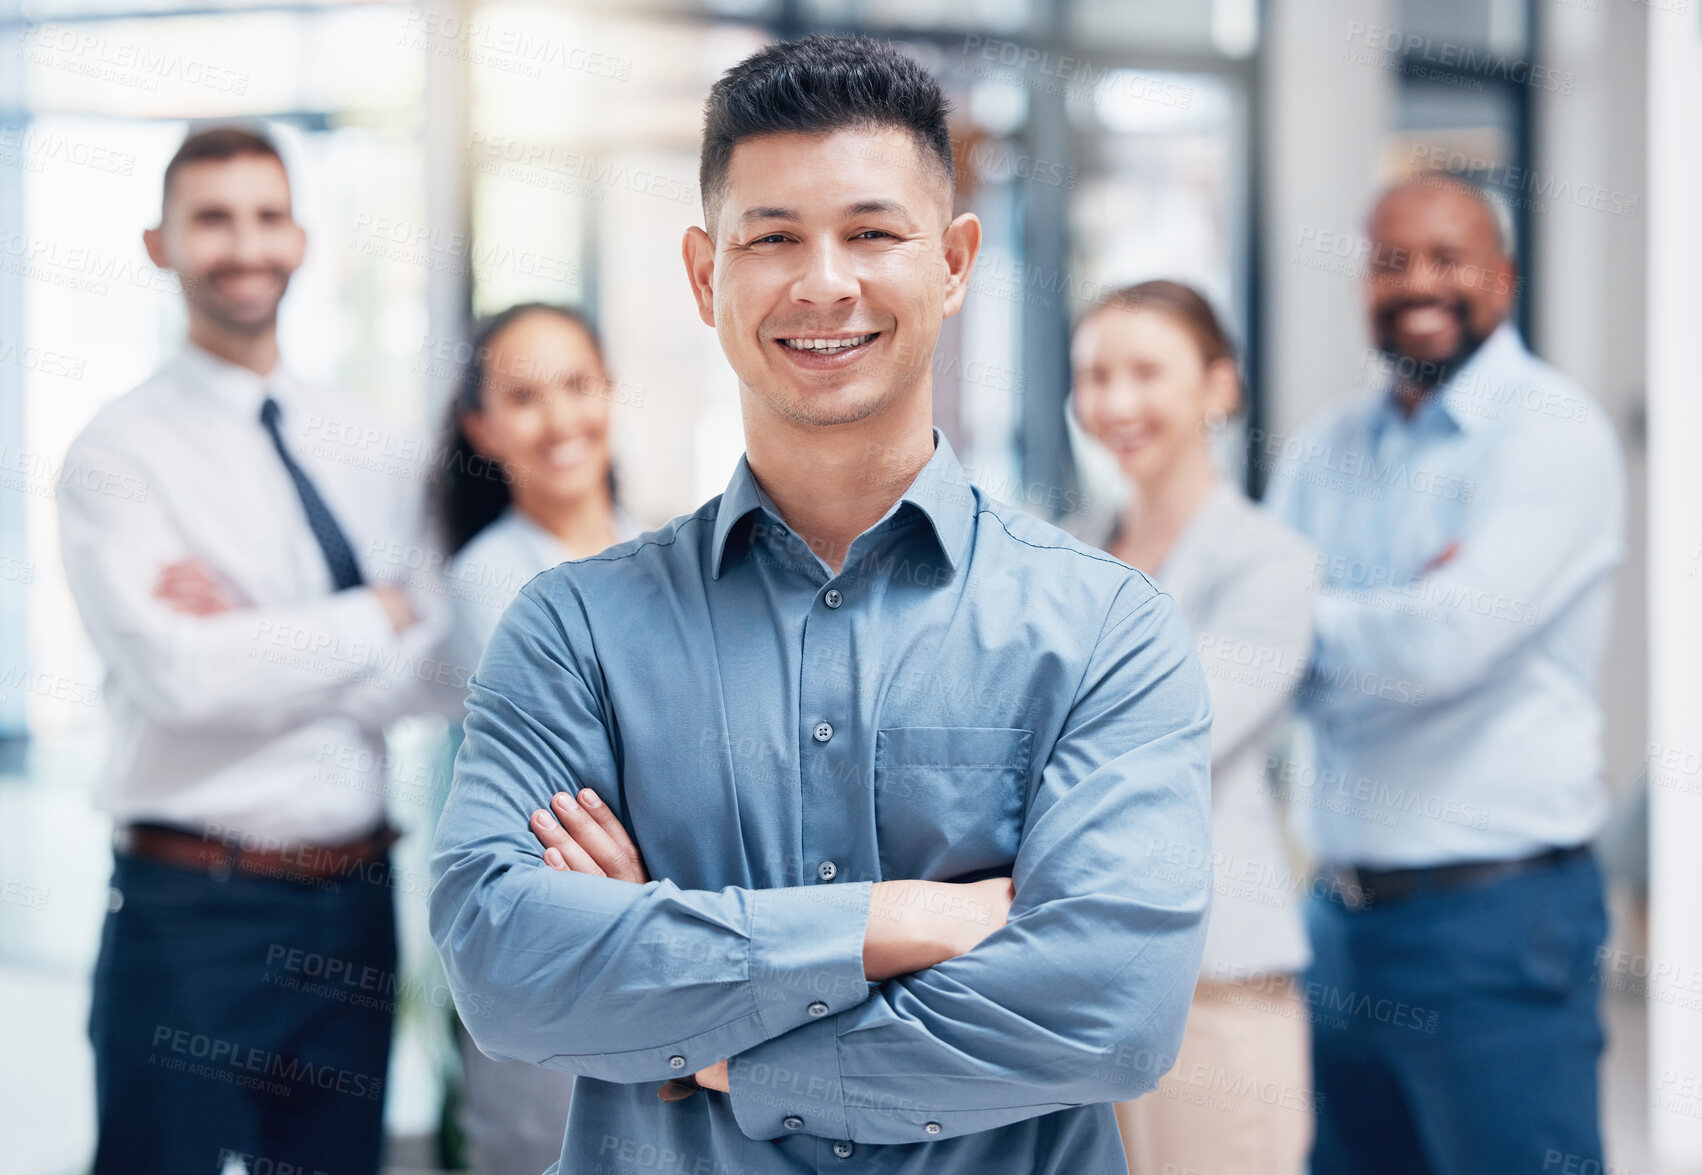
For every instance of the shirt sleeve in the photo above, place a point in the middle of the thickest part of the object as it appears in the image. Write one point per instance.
(1081, 997)
(588, 975)
(253, 669)
(1548, 526)
(1256, 645)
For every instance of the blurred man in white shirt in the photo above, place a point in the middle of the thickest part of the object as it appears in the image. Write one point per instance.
(247, 976)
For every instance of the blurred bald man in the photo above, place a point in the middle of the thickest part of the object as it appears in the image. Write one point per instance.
(1469, 515)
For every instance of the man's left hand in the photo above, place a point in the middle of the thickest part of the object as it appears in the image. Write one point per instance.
(583, 836)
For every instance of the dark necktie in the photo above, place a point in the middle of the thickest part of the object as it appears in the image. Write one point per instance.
(345, 572)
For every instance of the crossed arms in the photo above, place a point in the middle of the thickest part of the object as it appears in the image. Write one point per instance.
(1078, 997)
(912, 924)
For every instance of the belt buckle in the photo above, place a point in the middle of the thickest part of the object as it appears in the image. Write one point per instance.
(1349, 888)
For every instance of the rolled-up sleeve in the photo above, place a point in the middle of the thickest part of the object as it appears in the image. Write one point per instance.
(1081, 997)
(604, 978)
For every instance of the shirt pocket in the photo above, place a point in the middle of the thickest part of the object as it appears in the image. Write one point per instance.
(949, 800)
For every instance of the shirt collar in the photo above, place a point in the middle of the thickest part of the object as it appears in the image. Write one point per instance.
(941, 493)
(239, 387)
(1459, 401)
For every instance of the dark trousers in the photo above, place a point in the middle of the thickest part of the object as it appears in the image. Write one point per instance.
(1455, 1033)
(246, 1017)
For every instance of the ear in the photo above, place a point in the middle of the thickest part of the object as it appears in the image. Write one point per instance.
(962, 245)
(1223, 387)
(299, 248)
(153, 240)
(1506, 286)
(699, 254)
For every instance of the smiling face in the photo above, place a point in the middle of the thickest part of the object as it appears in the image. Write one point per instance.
(1440, 283)
(1143, 389)
(834, 261)
(543, 410)
(228, 232)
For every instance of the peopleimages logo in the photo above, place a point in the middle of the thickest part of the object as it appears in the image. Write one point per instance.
(253, 1067)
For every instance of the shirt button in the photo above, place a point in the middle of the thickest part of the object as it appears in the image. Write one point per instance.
(843, 1149)
(932, 1128)
(818, 1009)
(793, 1123)
(833, 599)
(823, 731)
(827, 871)
(676, 1062)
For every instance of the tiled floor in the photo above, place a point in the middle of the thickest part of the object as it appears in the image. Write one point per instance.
(53, 866)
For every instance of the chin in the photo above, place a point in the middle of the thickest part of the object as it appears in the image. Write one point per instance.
(573, 484)
(244, 318)
(838, 406)
(1143, 465)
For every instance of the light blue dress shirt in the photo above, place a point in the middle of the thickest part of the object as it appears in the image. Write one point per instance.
(1466, 565)
(975, 695)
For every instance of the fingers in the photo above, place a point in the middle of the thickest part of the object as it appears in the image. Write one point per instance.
(561, 852)
(189, 586)
(614, 859)
(605, 819)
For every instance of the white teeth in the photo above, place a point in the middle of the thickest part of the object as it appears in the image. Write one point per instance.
(1425, 318)
(828, 345)
(568, 453)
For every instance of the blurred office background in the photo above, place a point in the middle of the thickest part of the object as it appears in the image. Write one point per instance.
(452, 158)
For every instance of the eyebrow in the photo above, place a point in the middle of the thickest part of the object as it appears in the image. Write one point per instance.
(860, 208)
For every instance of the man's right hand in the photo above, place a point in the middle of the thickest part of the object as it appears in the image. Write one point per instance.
(397, 607)
(192, 587)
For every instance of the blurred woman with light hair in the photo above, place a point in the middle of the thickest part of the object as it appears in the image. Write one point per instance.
(1154, 378)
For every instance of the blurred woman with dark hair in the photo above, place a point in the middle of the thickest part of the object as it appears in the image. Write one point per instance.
(1154, 378)
(529, 476)
(528, 483)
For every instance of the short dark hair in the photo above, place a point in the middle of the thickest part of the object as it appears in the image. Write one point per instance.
(825, 82)
(218, 143)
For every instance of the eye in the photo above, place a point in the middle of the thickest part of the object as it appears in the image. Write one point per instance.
(771, 238)
(871, 233)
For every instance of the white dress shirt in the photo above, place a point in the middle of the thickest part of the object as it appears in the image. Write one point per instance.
(265, 720)
(1244, 583)
(1468, 559)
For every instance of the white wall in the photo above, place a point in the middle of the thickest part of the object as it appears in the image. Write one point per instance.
(1323, 115)
(1588, 291)
(1674, 348)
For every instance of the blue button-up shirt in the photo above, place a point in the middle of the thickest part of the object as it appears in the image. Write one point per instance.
(974, 695)
(1466, 572)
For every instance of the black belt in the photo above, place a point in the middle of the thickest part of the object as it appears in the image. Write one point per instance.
(1361, 889)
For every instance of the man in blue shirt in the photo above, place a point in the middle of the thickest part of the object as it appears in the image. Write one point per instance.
(922, 783)
(1469, 519)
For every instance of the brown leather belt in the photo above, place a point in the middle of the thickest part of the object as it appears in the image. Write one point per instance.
(222, 856)
(1365, 889)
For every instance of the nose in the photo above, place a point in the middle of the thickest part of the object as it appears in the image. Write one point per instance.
(1119, 401)
(1421, 277)
(249, 243)
(828, 276)
(1106, 404)
(565, 409)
